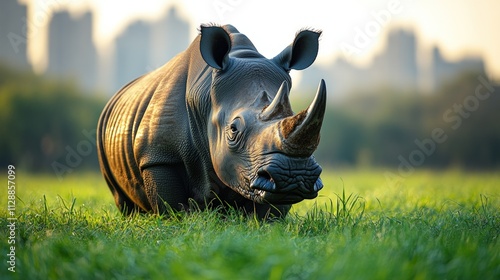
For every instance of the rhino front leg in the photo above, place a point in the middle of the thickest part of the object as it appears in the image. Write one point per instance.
(165, 188)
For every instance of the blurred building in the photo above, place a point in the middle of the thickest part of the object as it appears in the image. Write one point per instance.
(396, 66)
(443, 71)
(72, 53)
(132, 52)
(13, 28)
(170, 36)
(145, 46)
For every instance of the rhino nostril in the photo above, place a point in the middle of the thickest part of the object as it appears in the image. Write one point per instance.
(264, 174)
(264, 182)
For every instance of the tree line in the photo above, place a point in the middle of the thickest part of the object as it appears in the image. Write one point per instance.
(458, 125)
(43, 119)
(49, 125)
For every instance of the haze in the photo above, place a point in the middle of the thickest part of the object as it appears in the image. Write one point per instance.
(458, 27)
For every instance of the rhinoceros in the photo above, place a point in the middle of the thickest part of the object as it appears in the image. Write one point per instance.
(214, 126)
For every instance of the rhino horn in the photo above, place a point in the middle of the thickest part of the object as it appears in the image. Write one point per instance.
(301, 132)
(280, 107)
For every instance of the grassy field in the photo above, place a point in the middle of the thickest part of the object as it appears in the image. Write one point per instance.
(431, 225)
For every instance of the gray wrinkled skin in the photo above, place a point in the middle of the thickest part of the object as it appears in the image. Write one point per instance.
(214, 125)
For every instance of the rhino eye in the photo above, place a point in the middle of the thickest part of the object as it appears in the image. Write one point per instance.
(233, 131)
(233, 128)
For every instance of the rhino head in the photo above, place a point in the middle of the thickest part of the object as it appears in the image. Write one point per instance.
(258, 146)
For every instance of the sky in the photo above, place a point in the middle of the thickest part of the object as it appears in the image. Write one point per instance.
(353, 30)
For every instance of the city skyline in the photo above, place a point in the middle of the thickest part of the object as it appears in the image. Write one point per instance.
(133, 53)
(395, 67)
(459, 28)
(144, 46)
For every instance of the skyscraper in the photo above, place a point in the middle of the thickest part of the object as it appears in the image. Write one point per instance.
(443, 70)
(13, 28)
(132, 52)
(72, 53)
(170, 36)
(397, 64)
(145, 46)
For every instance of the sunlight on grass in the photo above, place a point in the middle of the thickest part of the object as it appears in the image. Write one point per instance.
(431, 225)
(87, 188)
(424, 188)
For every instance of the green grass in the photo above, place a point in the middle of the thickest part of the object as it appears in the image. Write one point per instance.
(428, 226)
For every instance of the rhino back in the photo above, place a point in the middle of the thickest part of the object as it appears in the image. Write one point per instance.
(147, 124)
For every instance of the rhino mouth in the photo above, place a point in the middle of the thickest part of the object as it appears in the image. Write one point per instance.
(287, 182)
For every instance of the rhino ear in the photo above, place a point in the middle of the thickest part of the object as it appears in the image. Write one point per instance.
(215, 45)
(302, 52)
